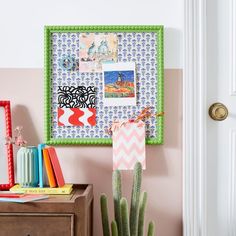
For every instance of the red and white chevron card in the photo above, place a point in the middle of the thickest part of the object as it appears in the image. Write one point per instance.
(76, 116)
(129, 145)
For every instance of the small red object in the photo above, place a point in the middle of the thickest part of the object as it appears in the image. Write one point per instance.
(56, 166)
(11, 195)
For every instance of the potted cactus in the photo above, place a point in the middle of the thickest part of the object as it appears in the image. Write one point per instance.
(126, 224)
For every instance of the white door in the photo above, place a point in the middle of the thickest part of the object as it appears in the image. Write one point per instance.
(221, 135)
(210, 145)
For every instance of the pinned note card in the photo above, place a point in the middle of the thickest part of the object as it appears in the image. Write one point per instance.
(128, 145)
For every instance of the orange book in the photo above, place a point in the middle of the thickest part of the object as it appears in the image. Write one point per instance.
(49, 169)
(56, 166)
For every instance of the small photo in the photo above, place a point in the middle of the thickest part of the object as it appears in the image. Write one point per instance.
(119, 84)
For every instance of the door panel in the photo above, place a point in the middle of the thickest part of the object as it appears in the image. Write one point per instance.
(221, 135)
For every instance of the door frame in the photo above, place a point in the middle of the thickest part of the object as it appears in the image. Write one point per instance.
(195, 113)
(194, 119)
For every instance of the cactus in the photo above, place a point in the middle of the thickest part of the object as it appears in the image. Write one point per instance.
(104, 213)
(151, 229)
(114, 230)
(134, 207)
(117, 194)
(142, 207)
(125, 225)
(125, 216)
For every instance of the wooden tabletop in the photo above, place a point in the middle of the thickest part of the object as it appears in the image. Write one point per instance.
(56, 203)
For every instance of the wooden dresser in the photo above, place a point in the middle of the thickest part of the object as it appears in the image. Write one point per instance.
(59, 215)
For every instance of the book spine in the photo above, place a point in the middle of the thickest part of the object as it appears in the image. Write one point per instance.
(44, 191)
(40, 155)
(49, 170)
(56, 166)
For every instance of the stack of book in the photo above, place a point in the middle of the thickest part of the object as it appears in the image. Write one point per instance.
(49, 169)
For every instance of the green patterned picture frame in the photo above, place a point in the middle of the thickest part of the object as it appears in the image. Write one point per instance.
(142, 45)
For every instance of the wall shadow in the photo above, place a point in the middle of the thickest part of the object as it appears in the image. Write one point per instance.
(21, 117)
(173, 48)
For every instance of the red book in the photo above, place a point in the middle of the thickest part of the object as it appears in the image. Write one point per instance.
(10, 194)
(56, 166)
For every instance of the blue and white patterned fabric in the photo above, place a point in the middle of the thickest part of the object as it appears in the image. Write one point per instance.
(136, 47)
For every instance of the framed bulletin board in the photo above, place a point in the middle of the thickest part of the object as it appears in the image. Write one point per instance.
(95, 75)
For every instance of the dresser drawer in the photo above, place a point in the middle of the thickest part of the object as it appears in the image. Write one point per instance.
(27, 224)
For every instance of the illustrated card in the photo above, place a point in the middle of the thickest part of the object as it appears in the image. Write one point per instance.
(76, 116)
(76, 106)
(119, 80)
(80, 96)
(96, 49)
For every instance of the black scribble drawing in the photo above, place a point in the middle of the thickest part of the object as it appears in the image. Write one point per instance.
(76, 97)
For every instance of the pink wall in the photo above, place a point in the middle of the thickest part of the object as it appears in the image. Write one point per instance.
(163, 177)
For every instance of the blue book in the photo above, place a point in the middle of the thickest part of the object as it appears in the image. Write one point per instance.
(40, 153)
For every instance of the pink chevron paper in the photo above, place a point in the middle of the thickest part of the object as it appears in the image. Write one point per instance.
(129, 145)
(76, 116)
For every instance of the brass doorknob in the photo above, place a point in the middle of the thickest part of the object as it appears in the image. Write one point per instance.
(218, 111)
